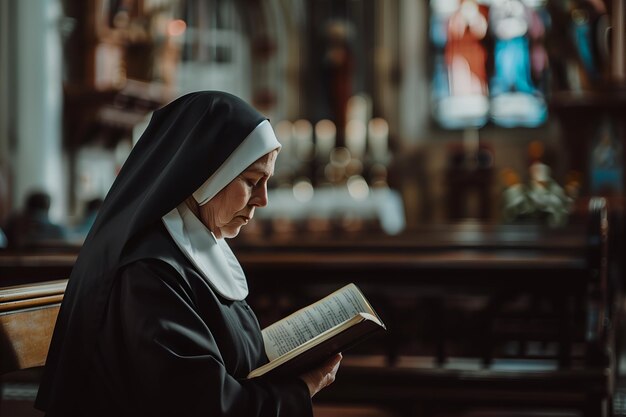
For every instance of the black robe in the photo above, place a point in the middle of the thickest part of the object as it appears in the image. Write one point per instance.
(169, 345)
(140, 332)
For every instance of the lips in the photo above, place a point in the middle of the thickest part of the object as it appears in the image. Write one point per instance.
(246, 217)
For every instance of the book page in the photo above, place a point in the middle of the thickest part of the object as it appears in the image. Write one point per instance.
(306, 323)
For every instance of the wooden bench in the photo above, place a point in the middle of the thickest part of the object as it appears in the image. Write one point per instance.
(407, 280)
(445, 302)
(27, 317)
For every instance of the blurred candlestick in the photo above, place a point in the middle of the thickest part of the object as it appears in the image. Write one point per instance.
(303, 136)
(358, 188)
(325, 135)
(358, 109)
(356, 138)
(303, 190)
(378, 139)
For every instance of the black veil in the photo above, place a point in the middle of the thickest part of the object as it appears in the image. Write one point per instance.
(185, 142)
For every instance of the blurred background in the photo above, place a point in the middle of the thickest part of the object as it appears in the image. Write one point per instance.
(430, 150)
(447, 103)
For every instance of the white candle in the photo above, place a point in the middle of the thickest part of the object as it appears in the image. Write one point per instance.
(325, 136)
(303, 136)
(357, 108)
(356, 138)
(378, 139)
(358, 188)
(303, 190)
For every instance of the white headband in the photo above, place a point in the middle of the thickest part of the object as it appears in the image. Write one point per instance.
(259, 142)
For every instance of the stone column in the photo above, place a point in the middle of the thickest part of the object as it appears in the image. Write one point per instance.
(36, 155)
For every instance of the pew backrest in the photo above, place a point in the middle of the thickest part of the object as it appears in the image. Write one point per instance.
(27, 318)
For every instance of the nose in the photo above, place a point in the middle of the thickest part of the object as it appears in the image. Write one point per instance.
(259, 196)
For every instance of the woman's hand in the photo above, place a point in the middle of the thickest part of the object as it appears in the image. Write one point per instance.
(319, 378)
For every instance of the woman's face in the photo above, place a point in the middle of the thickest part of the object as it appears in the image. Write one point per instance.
(234, 205)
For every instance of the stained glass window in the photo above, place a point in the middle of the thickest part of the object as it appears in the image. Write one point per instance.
(489, 62)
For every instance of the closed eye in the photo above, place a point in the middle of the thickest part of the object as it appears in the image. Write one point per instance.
(252, 182)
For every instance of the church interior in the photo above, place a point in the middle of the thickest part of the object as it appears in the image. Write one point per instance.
(461, 161)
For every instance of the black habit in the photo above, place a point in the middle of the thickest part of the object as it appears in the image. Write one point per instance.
(141, 332)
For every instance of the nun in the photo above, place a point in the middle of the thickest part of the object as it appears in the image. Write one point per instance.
(154, 320)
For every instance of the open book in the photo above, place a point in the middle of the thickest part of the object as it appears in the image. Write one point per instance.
(314, 333)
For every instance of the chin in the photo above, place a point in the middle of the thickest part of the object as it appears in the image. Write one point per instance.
(229, 234)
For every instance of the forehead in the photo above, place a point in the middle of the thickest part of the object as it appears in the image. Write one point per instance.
(264, 164)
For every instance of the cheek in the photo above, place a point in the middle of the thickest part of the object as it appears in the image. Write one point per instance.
(232, 205)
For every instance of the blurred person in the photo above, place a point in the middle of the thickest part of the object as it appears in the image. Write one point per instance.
(465, 104)
(465, 55)
(517, 30)
(33, 225)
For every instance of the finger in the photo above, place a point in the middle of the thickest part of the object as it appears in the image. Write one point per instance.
(332, 362)
(331, 366)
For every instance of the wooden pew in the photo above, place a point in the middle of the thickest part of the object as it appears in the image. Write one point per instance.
(27, 318)
(414, 292)
(424, 275)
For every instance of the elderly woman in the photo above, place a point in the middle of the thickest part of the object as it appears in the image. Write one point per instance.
(154, 321)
